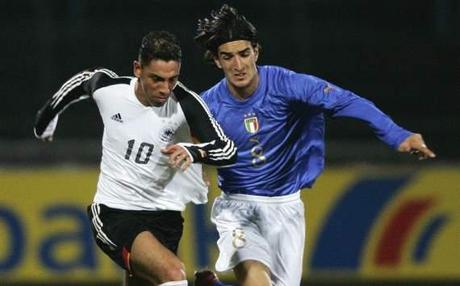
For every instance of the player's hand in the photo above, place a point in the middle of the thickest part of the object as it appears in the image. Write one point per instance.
(47, 139)
(415, 145)
(178, 156)
(47, 135)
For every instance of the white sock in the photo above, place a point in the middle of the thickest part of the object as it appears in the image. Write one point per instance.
(175, 283)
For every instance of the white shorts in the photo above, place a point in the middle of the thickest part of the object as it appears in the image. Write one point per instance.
(270, 230)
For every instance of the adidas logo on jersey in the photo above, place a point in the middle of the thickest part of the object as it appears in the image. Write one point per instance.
(117, 117)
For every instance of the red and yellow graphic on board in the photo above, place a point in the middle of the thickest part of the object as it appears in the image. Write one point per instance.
(373, 223)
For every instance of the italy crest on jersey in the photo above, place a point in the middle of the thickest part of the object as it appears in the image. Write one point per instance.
(251, 123)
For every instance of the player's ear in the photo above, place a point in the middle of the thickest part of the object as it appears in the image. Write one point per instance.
(137, 68)
(256, 53)
(217, 63)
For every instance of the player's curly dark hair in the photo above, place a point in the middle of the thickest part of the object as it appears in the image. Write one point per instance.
(225, 25)
(159, 45)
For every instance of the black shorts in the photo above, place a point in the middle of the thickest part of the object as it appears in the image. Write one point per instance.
(115, 230)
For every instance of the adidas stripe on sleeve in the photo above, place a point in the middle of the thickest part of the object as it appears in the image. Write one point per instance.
(79, 87)
(215, 147)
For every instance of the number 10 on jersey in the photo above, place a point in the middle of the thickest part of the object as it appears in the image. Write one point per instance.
(144, 148)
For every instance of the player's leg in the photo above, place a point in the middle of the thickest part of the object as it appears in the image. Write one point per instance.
(260, 237)
(284, 227)
(130, 280)
(253, 273)
(207, 278)
(127, 238)
(242, 247)
(152, 261)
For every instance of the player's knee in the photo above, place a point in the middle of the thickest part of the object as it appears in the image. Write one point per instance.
(250, 271)
(167, 271)
(173, 271)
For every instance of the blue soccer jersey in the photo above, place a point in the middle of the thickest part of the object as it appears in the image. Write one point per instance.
(279, 130)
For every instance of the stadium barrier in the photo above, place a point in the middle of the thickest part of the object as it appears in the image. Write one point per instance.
(365, 223)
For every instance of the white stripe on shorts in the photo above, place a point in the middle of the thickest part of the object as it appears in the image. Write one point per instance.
(262, 199)
(97, 223)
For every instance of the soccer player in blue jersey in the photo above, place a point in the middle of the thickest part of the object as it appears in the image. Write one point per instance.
(276, 117)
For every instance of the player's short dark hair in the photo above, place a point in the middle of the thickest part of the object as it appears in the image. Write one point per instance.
(159, 45)
(225, 25)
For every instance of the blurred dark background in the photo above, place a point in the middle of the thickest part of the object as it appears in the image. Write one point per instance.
(402, 55)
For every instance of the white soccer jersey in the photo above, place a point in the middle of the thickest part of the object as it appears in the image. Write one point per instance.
(135, 174)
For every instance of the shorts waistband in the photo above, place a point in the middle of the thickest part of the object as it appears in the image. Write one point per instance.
(263, 199)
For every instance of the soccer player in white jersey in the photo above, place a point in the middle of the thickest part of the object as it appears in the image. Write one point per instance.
(146, 171)
(276, 118)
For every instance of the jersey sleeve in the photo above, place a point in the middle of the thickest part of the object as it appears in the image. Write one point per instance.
(214, 147)
(338, 102)
(80, 86)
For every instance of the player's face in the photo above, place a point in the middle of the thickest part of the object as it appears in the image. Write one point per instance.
(156, 81)
(237, 60)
